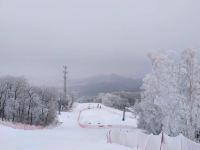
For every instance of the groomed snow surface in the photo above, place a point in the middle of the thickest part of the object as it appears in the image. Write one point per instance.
(69, 135)
(89, 128)
(106, 117)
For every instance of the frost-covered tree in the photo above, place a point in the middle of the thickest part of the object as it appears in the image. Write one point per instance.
(112, 100)
(21, 102)
(48, 101)
(190, 88)
(174, 86)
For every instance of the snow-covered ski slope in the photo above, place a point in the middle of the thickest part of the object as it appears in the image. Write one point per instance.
(92, 116)
(69, 135)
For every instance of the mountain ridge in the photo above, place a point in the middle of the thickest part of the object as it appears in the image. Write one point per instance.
(91, 86)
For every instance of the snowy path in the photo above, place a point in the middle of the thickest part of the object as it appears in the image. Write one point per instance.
(68, 136)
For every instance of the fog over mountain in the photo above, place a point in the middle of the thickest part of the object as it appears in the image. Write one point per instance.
(92, 36)
(105, 84)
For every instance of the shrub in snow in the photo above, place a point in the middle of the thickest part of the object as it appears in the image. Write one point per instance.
(150, 117)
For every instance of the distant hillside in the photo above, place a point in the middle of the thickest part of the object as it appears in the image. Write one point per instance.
(106, 83)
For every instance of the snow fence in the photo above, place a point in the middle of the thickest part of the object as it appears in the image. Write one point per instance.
(142, 141)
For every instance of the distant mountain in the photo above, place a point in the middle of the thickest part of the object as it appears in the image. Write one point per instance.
(106, 83)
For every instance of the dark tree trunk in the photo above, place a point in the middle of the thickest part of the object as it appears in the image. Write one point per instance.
(124, 112)
(13, 119)
(31, 118)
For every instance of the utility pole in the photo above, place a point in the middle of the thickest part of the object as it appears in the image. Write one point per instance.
(65, 83)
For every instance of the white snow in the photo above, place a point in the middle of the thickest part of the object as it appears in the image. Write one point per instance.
(66, 136)
(106, 116)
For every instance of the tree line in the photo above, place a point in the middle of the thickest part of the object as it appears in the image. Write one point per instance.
(117, 100)
(22, 102)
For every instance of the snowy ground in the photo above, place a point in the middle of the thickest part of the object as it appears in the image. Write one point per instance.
(67, 136)
(106, 116)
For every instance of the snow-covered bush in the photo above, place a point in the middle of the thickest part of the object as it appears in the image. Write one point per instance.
(150, 117)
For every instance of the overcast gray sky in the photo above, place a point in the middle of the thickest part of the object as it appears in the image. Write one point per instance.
(92, 36)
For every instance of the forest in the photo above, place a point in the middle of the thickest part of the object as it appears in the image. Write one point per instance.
(21, 102)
